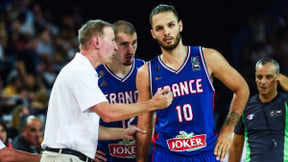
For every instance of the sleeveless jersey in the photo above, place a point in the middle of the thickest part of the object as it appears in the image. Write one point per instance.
(119, 90)
(187, 126)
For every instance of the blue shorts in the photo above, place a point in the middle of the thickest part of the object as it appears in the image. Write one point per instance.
(160, 155)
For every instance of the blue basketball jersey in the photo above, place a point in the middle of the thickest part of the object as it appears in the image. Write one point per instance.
(187, 126)
(119, 90)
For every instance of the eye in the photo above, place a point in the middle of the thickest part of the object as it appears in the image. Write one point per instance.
(124, 44)
(33, 129)
(259, 77)
(270, 77)
(158, 28)
(171, 25)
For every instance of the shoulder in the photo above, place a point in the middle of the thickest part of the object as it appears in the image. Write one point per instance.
(99, 68)
(143, 69)
(215, 61)
(284, 96)
(253, 99)
(17, 139)
(211, 54)
(139, 62)
(2, 145)
(252, 103)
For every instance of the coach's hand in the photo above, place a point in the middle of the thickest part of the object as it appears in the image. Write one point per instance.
(162, 99)
(130, 132)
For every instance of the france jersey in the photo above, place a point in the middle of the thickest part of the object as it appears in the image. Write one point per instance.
(119, 90)
(187, 126)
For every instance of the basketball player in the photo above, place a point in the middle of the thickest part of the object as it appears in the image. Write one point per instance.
(185, 131)
(117, 82)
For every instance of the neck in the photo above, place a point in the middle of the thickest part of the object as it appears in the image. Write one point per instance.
(89, 56)
(265, 98)
(119, 69)
(175, 57)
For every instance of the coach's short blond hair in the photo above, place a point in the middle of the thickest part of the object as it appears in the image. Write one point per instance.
(90, 28)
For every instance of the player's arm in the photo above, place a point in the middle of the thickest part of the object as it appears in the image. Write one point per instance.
(145, 121)
(219, 68)
(236, 149)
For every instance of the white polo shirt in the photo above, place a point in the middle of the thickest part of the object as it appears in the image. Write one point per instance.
(70, 123)
(2, 145)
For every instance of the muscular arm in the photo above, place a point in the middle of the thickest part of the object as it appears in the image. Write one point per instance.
(145, 121)
(219, 68)
(11, 155)
(236, 149)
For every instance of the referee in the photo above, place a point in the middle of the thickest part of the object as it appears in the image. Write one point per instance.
(264, 123)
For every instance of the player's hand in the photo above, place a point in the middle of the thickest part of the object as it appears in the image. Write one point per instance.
(162, 99)
(99, 157)
(130, 132)
(223, 144)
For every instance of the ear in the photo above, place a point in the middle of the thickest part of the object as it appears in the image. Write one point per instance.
(23, 129)
(180, 25)
(95, 42)
(152, 33)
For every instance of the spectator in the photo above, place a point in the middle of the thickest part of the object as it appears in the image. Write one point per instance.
(31, 135)
(4, 133)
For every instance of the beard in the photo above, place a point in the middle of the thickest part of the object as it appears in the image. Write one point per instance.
(170, 46)
(124, 61)
(127, 63)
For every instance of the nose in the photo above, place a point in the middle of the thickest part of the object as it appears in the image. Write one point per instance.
(264, 80)
(166, 31)
(131, 48)
(115, 46)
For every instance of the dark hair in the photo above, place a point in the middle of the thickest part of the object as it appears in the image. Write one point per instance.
(6, 129)
(266, 60)
(163, 8)
(90, 28)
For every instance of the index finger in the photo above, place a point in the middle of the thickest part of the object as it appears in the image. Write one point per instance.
(165, 90)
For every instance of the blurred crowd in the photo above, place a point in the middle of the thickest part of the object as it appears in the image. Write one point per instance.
(264, 35)
(34, 48)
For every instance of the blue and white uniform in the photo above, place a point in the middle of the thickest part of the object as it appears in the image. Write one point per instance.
(119, 90)
(185, 131)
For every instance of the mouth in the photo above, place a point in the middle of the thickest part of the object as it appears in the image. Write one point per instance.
(128, 56)
(263, 88)
(168, 39)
